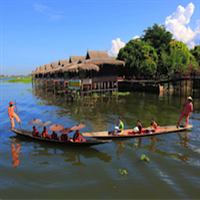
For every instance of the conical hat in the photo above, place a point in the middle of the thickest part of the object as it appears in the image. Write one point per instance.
(44, 124)
(35, 121)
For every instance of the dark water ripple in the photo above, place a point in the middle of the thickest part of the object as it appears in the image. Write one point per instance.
(38, 170)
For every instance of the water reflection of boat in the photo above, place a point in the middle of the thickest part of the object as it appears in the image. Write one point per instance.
(128, 133)
(74, 156)
(16, 153)
(87, 143)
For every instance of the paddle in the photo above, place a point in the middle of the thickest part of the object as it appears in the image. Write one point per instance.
(17, 114)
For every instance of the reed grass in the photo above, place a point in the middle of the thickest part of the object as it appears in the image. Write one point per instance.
(21, 80)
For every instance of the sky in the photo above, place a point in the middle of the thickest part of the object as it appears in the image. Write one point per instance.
(35, 33)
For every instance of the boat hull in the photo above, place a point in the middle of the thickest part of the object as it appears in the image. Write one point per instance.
(128, 133)
(89, 142)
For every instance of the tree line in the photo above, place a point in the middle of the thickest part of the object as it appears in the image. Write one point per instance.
(155, 53)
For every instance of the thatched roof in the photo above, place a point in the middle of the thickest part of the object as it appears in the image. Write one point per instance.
(101, 61)
(64, 69)
(63, 62)
(47, 66)
(33, 72)
(37, 70)
(96, 54)
(54, 64)
(113, 57)
(41, 69)
(79, 67)
(55, 69)
(76, 59)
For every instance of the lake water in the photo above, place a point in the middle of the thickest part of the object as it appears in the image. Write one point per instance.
(36, 170)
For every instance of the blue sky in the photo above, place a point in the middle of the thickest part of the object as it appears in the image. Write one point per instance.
(35, 33)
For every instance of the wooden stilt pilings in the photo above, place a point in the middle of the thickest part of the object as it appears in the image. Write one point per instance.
(61, 87)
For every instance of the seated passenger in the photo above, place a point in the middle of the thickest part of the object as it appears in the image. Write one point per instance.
(77, 137)
(138, 128)
(45, 134)
(35, 132)
(54, 136)
(120, 124)
(64, 137)
(153, 124)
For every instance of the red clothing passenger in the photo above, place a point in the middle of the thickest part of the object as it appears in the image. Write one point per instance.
(35, 132)
(45, 134)
(139, 125)
(54, 136)
(188, 108)
(64, 137)
(78, 138)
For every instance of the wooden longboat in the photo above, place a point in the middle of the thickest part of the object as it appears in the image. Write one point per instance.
(128, 133)
(87, 143)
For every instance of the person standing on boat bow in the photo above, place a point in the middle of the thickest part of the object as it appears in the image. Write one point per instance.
(12, 115)
(188, 108)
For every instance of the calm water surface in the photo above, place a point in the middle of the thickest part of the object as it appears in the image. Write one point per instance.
(36, 170)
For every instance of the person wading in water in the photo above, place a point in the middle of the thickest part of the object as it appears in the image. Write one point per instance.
(12, 115)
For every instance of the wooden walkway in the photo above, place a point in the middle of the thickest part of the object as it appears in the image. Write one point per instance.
(156, 81)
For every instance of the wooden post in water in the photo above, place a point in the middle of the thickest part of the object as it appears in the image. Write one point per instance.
(168, 84)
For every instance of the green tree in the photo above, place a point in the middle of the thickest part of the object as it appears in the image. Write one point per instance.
(157, 37)
(140, 59)
(196, 53)
(177, 58)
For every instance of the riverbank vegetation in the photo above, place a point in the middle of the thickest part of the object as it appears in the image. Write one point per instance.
(157, 53)
(23, 80)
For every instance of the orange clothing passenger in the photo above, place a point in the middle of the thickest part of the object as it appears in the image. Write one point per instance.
(78, 138)
(54, 136)
(45, 134)
(64, 137)
(35, 132)
(12, 115)
(153, 124)
(188, 108)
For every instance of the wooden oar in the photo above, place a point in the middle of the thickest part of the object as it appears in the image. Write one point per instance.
(17, 114)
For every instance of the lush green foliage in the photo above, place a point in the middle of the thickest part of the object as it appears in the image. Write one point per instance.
(157, 37)
(140, 59)
(158, 54)
(196, 53)
(177, 58)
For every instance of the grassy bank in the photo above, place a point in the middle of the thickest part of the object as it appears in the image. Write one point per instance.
(21, 80)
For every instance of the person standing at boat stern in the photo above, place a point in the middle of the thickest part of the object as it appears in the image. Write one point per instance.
(120, 124)
(188, 108)
(12, 115)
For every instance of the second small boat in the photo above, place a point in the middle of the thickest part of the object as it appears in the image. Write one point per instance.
(128, 133)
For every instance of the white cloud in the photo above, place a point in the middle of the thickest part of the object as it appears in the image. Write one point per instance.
(135, 37)
(177, 24)
(54, 15)
(116, 46)
(41, 8)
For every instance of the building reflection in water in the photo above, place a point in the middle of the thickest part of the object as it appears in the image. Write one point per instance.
(16, 153)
